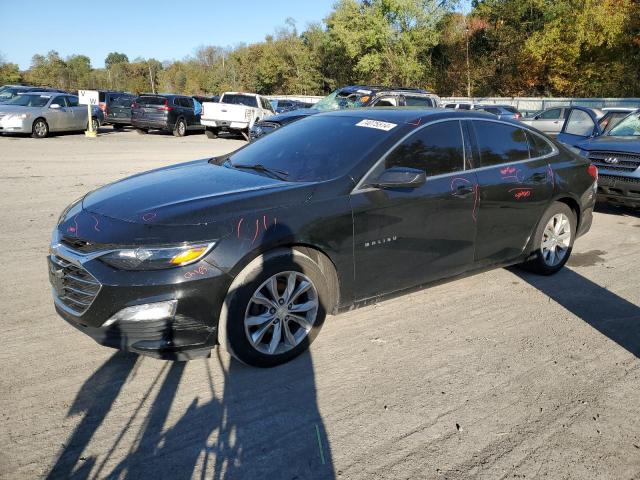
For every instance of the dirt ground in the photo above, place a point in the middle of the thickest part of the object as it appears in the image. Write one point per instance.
(499, 375)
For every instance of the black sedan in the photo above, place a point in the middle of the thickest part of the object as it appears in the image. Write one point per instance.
(254, 249)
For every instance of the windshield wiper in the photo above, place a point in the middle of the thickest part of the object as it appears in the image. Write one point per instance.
(258, 167)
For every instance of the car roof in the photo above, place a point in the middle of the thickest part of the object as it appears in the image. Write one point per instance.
(375, 89)
(410, 115)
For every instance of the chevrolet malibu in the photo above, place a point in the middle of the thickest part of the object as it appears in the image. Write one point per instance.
(252, 250)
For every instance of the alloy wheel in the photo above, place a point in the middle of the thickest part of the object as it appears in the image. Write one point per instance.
(281, 313)
(556, 239)
(40, 128)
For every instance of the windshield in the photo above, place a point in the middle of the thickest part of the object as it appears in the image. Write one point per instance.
(7, 93)
(316, 148)
(339, 100)
(27, 100)
(246, 100)
(630, 126)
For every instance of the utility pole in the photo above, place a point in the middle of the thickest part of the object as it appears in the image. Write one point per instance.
(466, 37)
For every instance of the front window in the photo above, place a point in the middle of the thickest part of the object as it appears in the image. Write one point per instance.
(27, 100)
(316, 148)
(8, 93)
(340, 100)
(629, 127)
(239, 99)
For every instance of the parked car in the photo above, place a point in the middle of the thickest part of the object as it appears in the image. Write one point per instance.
(167, 112)
(116, 107)
(459, 106)
(284, 105)
(616, 153)
(254, 248)
(501, 111)
(351, 97)
(42, 113)
(612, 116)
(235, 112)
(202, 99)
(548, 121)
(9, 92)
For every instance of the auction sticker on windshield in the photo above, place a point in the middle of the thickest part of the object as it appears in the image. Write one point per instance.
(386, 126)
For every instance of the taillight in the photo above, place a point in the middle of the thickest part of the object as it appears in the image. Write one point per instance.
(517, 116)
(103, 106)
(134, 105)
(166, 107)
(593, 171)
(248, 113)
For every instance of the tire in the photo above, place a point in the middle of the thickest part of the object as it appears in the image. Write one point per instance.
(553, 240)
(142, 131)
(245, 134)
(180, 128)
(211, 133)
(40, 128)
(233, 328)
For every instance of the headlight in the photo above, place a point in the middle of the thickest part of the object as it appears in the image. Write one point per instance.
(74, 207)
(156, 258)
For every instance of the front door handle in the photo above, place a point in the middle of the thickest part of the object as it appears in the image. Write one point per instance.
(538, 177)
(463, 190)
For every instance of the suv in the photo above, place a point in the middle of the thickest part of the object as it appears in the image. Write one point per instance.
(351, 97)
(167, 112)
(615, 151)
(116, 107)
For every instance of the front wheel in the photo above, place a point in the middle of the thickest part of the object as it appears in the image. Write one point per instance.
(274, 309)
(94, 124)
(553, 240)
(40, 128)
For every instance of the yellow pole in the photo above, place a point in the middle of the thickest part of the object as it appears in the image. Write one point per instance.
(90, 132)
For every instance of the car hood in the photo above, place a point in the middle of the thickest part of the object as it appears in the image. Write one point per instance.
(612, 144)
(17, 109)
(288, 117)
(192, 193)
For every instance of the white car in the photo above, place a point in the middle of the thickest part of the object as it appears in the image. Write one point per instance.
(236, 111)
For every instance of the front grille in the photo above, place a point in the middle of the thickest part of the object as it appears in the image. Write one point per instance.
(620, 178)
(623, 162)
(79, 245)
(75, 287)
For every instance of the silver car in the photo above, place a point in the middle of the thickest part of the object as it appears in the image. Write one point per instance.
(40, 113)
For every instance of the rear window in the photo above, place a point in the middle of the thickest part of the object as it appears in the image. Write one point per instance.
(538, 146)
(511, 109)
(418, 102)
(500, 143)
(151, 100)
(237, 99)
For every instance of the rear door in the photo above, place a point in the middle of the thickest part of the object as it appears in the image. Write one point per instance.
(152, 107)
(515, 186)
(405, 237)
(120, 109)
(79, 113)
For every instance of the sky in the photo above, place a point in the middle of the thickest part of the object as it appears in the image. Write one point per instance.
(165, 30)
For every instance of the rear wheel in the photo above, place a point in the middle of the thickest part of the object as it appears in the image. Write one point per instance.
(211, 132)
(180, 128)
(553, 240)
(40, 128)
(95, 124)
(274, 309)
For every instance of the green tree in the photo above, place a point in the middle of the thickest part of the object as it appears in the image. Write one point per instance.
(9, 72)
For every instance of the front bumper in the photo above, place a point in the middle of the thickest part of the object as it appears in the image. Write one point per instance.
(619, 189)
(15, 125)
(192, 332)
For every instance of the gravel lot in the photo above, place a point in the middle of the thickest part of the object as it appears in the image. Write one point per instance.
(500, 375)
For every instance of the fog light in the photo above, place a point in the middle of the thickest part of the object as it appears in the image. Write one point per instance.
(145, 312)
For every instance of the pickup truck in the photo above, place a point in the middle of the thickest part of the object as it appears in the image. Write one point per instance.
(235, 111)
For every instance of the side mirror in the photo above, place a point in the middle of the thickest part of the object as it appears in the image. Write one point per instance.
(55, 106)
(400, 177)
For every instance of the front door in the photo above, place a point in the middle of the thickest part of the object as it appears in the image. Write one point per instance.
(80, 113)
(60, 118)
(407, 237)
(516, 183)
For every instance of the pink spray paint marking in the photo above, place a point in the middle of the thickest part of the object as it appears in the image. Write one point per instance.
(201, 270)
(520, 193)
(256, 234)
(95, 227)
(147, 217)
(238, 228)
